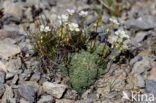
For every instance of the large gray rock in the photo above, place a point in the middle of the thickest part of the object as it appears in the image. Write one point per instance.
(9, 51)
(144, 22)
(151, 86)
(151, 90)
(13, 65)
(10, 75)
(139, 81)
(135, 59)
(140, 36)
(3, 34)
(8, 95)
(34, 85)
(14, 9)
(27, 92)
(9, 34)
(2, 89)
(46, 99)
(53, 89)
(141, 66)
(25, 75)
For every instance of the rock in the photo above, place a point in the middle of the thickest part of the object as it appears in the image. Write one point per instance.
(32, 2)
(151, 86)
(85, 94)
(135, 13)
(9, 51)
(27, 92)
(118, 79)
(135, 59)
(141, 66)
(8, 95)
(34, 85)
(64, 101)
(85, 101)
(24, 101)
(52, 2)
(35, 77)
(25, 75)
(9, 40)
(14, 65)
(14, 9)
(139, 81)
(153, 71)
(2, 89)
(4, 34)
(45, 4)
(28, 14)
(144, 22)
(71, 94)
(2, 77)
(9, 75)
(131, 1)
(25, 49)
(8, 19)
(152, 75)
(15, 79)
(11, 28)
(32, 63)
(140, 36)
(46, 99)
(11, 100)
(53, 89)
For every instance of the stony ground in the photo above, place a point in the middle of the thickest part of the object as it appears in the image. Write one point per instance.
(22, 82)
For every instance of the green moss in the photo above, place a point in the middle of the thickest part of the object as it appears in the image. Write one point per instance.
(83, 69)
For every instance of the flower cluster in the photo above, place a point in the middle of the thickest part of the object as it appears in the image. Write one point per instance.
(67, 25)
(118, 39)
(68, 28)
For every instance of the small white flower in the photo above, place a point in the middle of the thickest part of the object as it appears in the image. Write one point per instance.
(114, 21)
(83, 13)
(63, 18)
(122, 34)
(70, 11)
(44, 28)
(41, 27)
(74, 27)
